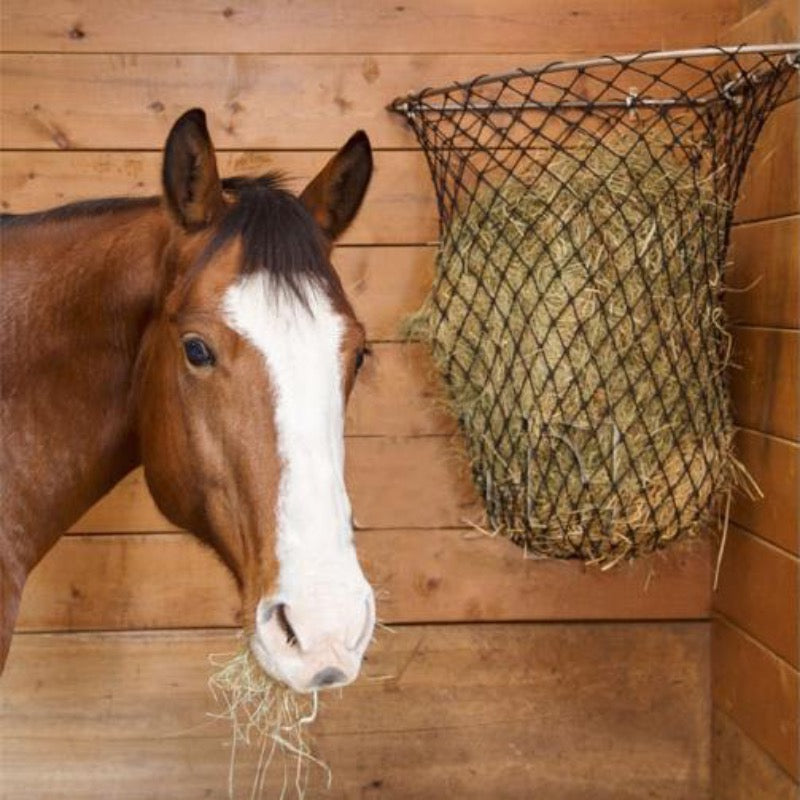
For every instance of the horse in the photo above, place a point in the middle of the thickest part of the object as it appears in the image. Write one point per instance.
(203, 334)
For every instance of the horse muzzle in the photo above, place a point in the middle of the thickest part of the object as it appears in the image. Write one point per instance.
(314, 644)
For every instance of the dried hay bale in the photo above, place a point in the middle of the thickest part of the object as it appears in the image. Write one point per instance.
(576, 318)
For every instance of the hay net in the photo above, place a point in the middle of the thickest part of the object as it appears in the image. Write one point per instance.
(575, 313)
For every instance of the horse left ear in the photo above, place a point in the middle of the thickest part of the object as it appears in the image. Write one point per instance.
(335, 195)
(192, 188)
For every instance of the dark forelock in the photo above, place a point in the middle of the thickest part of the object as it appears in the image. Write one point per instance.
(278, 235)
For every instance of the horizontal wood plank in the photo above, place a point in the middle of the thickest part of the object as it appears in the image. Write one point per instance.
(283, 102)
(385, 285)
(741, 770)
(770, 187)
(394, 482)
(765, 276)
(310, 26)
(399, 393)
(764, 380)
(775, 466)
(453, 711)
(758, 691)
(400, 206)
(170, 580)
(758, 590)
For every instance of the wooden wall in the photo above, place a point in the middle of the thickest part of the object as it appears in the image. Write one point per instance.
(548, 680)
(755, 646)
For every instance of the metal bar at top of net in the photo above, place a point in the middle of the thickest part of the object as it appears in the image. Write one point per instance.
(479, 108)
(403, 105)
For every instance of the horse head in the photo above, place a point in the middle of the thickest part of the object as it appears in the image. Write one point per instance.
(241, 386)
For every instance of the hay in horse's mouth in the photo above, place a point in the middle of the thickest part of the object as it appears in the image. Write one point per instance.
(268, 715)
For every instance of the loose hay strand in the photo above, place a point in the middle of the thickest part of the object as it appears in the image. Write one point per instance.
(264, 713)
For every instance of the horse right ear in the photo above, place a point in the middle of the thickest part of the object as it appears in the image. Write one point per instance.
(192, 188)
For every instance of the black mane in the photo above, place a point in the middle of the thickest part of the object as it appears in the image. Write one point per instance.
(79, 210)
(278, 234)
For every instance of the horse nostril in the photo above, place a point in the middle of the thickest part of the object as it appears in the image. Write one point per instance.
(285, 625)
(366, 630)
(327, 677)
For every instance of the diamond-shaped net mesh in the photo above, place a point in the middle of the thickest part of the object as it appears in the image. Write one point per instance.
(575, 314)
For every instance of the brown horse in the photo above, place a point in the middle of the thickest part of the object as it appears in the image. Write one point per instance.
(206, 336)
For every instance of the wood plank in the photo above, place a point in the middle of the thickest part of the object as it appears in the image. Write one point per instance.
(252, 101)
(282, 101)
(399, 393)
(775, 466)
(400, 207)
(394, 483)
(127, 508)
(770, 187)
(170, 580)
(757, 690)
(766, 265)
(385, 285)
(764, 380)
(453, 711)
(353, 26)
(758, 590)
(415, 483)
(765, 21)
(129, 582)
(741, 770)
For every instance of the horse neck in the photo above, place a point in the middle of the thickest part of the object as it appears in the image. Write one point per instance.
(78, 295)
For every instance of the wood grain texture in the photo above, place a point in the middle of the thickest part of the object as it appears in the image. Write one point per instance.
(170, 580)
(394, 482)
(400, 206)
(764, 380)
(758, 690)
(566, 711)
(466, 711)
(283, 102)
(758, 583)
(775, 465)
(770, 187)
(399, 393)
(766, 265)
(385, 285)
(765, 21)
(253, 101)
(352, 26)
(741, 770)
(758, 590)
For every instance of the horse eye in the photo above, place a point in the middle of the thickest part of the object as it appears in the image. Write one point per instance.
(197, 352)
(360, 356)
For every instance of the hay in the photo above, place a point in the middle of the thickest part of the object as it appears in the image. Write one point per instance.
(576, 318)
(266, 715)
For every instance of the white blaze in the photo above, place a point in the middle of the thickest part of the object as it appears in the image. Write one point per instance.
(319, 576)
